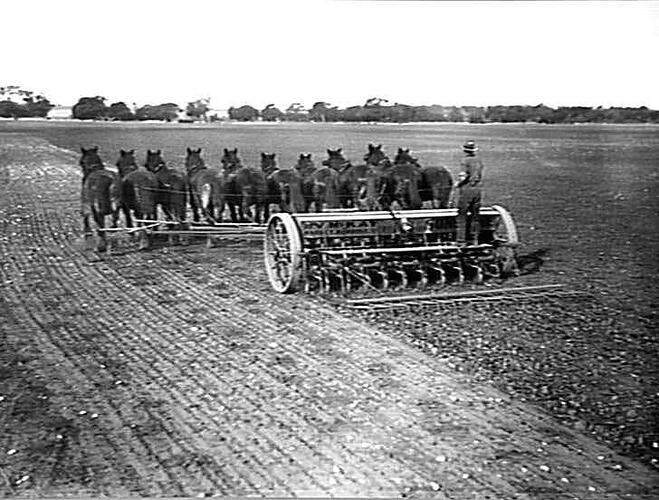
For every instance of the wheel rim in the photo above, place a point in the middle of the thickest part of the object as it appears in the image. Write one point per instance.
(282, 251)
(505, 230)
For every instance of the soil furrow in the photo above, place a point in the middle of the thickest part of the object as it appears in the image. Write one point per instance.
(100, 326)
(117, 313)
(42, 321)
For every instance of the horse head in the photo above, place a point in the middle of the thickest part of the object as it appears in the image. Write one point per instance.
(90, 161)
(126, 162)
(376, 156)
(230, 160)
(268, 163)
(403, 157)
(336, 160)
(154, 161)
(305, 164)
(193, 160)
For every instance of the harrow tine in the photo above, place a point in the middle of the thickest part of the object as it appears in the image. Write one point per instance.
(454, 272)
(473, 272)
(420, 277)
(383, 278)
(438, 271)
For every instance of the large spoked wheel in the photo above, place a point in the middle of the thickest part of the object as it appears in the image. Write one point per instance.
(283, 253)
(505, 231)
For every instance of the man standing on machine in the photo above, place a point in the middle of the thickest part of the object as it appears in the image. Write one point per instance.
(469, 186)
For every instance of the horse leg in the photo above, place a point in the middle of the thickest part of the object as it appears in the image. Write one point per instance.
(244, 209)
(260, 212)
(86, 227)
(169, 217)
(142, 238)
(182, 223)
(194, 205)
(102, 245)
(220, 211)
(445, 198)
(126, 211)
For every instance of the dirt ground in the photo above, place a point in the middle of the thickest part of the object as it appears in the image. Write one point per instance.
(178, 372)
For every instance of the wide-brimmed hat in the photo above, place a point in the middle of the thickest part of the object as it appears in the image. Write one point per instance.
(469, 147)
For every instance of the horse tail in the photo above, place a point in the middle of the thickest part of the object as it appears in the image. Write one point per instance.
(205, 192)
(115, 189)
(447, 186)
(414, 194)
(332, 193)
(145, 197)
(128, 197)
(296, 195)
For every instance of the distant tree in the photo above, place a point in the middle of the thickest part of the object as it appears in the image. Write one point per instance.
(90, 108)
(400, 113)
(433, 113)
(352, 114)
(376, 101)
(475, 114)
(38, 106)
(19, 103)
(165, 112)
(243, 113)
(120, 111)
(11, 109)
(573, 114)
(455, 114)
(323, 112)
(199, 108)
(543, 114)
(296, 113)
(375, 110)
(271, 113)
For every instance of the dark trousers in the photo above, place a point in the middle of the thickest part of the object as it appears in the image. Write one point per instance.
(469, 204)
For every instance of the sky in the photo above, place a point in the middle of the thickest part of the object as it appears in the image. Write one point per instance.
(342, 52)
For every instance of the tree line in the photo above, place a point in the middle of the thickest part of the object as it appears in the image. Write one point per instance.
(18, 103)
(374, 111)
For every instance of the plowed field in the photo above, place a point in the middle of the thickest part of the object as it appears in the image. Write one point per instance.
(177, 371)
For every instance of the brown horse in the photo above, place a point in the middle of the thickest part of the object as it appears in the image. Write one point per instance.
(436, 181)
(100, 195)
(172, 188)
(283, 186)
(336, 161)
(244, 188)
(206, 193)
(357, 184)
(402, 186)
(138, 192)
(319, 184)
(381, 165)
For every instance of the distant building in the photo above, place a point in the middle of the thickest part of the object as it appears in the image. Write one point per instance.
(220, 113)
(61, 112)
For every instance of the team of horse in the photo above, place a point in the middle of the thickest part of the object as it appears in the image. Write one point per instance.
(249, 192)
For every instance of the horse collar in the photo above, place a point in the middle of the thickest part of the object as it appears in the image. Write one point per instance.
(159, 166)
(196, 168)
(344, 166)
(383, 162)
